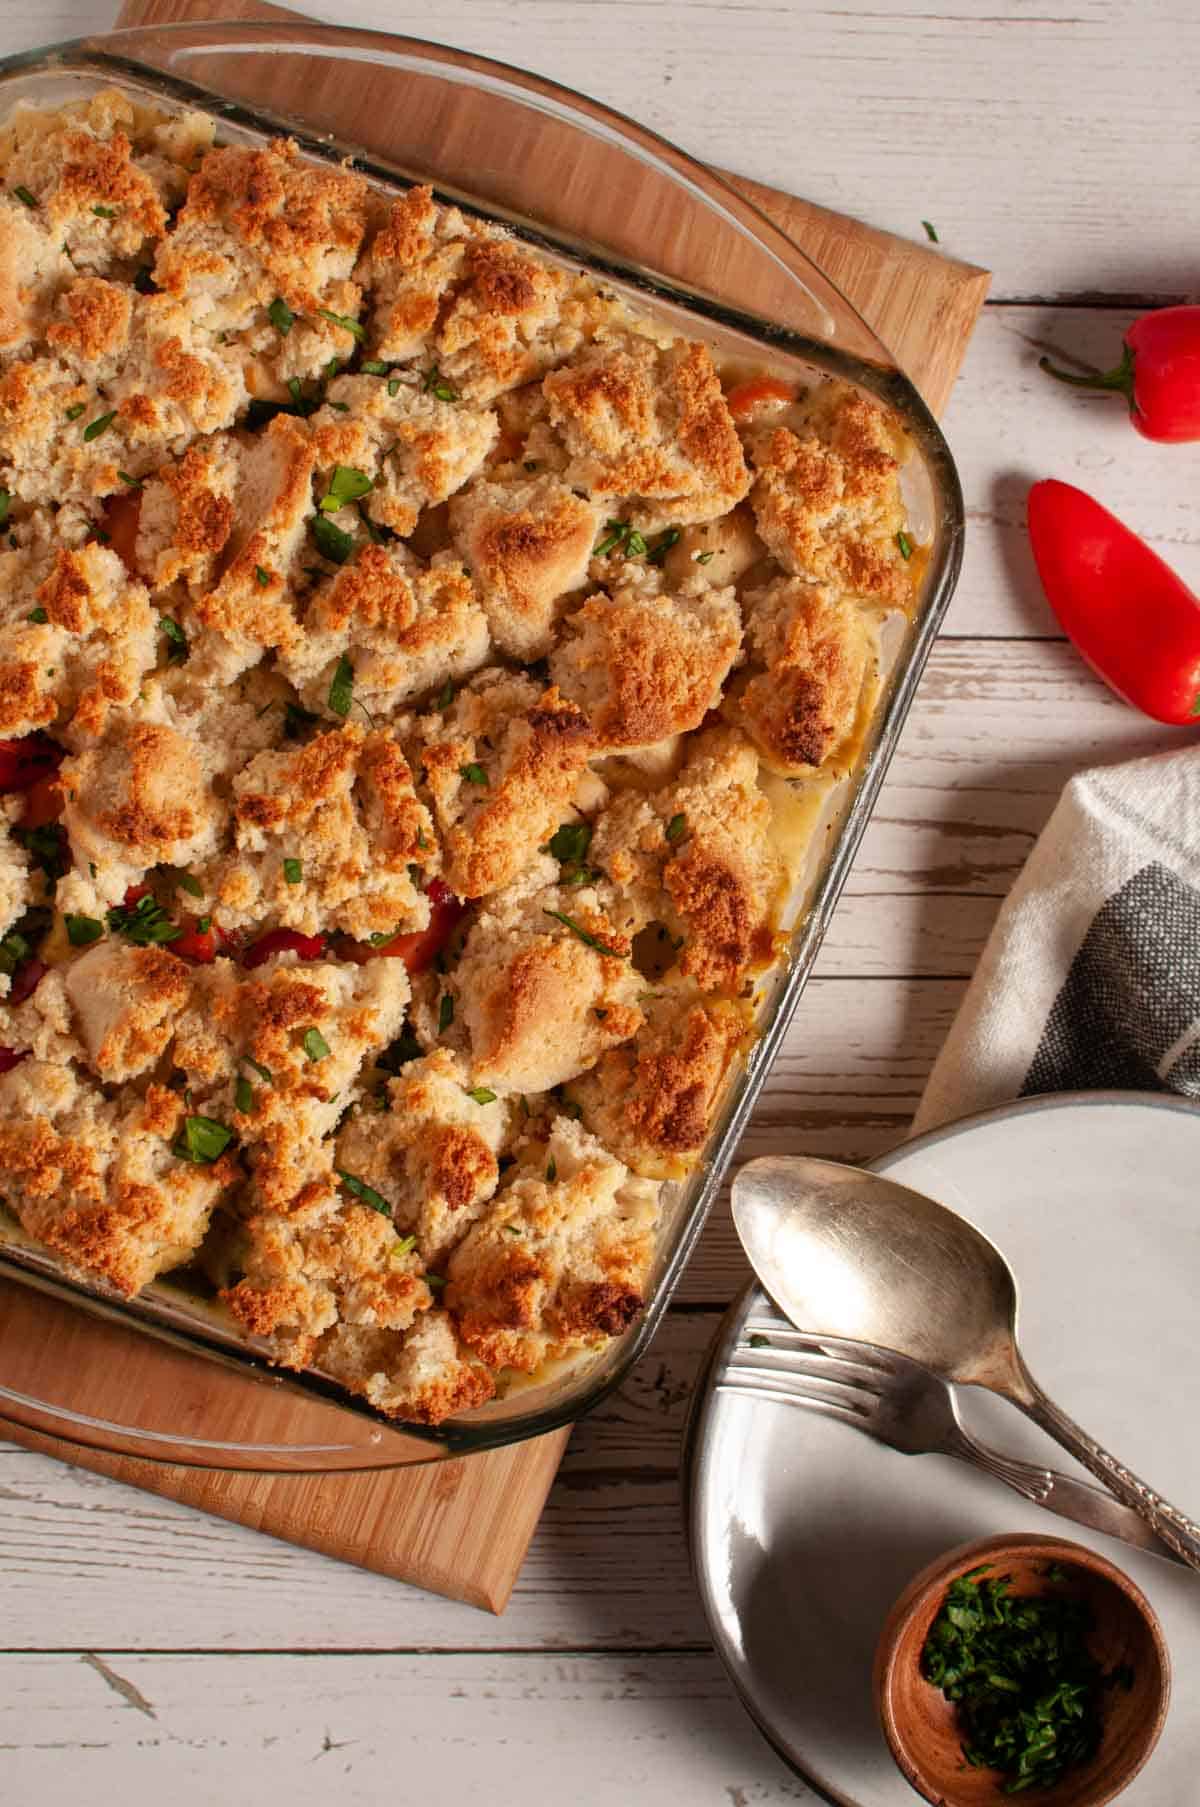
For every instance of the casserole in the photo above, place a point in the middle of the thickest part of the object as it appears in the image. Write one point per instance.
(498, 136)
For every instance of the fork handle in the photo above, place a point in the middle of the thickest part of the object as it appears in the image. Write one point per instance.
(1167, 1522)
(1025, 1478)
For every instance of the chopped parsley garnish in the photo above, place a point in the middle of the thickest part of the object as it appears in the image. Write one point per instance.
(676, 828)
(101, 424)
(264, 1073)
(373, 367)
(281, 316)
(931, 232)
(293, 871)
(345, 485)
(445, 1012)
(38, 615)
(202, 1140)
(105, 213)
(191, 885)
(474, 774)
(5, 503)
(341, 688)
(1018, 1667)
(569, 844)
(436, 384)
(552, 1169)
(83, 930)
(345, 322)
(314, 1044)
(243, 1094)
(14, 949)
(905, 545)
(262, 576)
(128, 481)
(445, 695)
(623, 535)
(23, 194)
(435, 1282)
(394, 385)
(482, 1094)
(203, 924)
(582, 934)
(48, 847)
(177, 640)
(359, 1189)
(74, 412)
(331, 541)
(662, 546)
(145, 923)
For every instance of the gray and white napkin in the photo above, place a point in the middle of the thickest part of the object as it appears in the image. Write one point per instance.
(1091, 977)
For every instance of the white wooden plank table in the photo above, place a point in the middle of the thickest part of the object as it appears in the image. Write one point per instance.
(148, 1653)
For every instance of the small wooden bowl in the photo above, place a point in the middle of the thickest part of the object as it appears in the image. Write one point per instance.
(920, 1724)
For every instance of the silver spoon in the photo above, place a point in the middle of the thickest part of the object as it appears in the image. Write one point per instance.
(848, 1253)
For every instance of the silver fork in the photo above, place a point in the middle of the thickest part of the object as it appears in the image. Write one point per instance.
(899, 1403)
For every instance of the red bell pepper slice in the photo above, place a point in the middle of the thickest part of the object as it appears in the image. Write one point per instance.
(1159, 375)
(12, 1057)
(23, 762)
(26, 980)
(1136, 623)
(283, 941)
(419, 950)
(197, 945)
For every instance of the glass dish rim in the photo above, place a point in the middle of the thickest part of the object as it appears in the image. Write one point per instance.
(102, 56)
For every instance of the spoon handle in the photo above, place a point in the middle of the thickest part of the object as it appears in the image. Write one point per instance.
(1175, 1529)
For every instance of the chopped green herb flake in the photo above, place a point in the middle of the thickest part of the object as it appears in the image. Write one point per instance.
(341, 689)
(128, 481)
(191, 885)
(436, 384)
(177, 640)
(105, 213)
(367, 1195)
(373, 367)
(482, 1094)
(37, 615)
(293, 871)
(202, 1140)
(931, 232)
(552, 1169)
(145, 923)
(331, 541)
(315, 1045)
(905, 545)
(243, 1094)
(435, 1282)
(23, 194)
(676, 828)
(345, 322)
(394, 385)
(14, 949)
(345, 485)
(445, 695)
(83, 930)
(662, 545)
(474, 774)
(262, 577)
(582, 934)
(203, 924)
(264, 1073)
(295, 390)
(74, 412)
(281, 316)
(569, 844)
(101, 424)
(445, 1012)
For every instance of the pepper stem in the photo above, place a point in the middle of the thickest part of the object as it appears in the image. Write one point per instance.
(1120, 379)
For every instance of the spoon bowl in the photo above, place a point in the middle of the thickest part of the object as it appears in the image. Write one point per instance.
(852, 1254)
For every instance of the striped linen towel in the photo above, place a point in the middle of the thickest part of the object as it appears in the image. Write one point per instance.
(1091, 976)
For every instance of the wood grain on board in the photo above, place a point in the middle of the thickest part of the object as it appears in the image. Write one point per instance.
(462, 1527)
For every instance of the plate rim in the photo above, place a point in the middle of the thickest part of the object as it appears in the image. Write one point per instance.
(1039, 1103)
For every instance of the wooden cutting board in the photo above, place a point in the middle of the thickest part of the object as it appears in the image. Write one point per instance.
(459, 1527)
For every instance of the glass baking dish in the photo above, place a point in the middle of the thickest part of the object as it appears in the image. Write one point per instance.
(588, 186)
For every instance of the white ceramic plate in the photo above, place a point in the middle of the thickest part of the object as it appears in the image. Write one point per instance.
(804, 1531)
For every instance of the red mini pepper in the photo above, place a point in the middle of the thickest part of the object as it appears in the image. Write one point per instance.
(420, 949)
(23, 762)
(283, 941)
(1135, 622)
(1159, 374)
